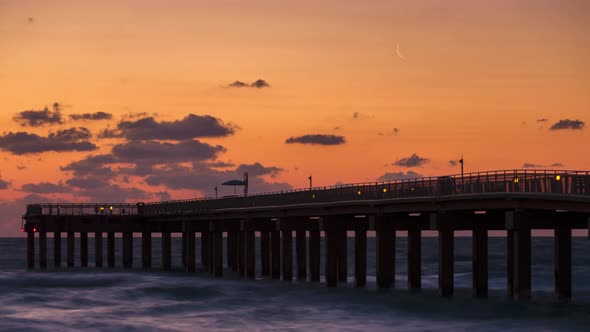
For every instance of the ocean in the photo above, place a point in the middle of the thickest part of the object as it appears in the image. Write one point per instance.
(117, 300)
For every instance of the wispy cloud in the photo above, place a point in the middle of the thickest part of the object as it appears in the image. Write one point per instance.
(568, 124)
(399, 176)
(412, 161)
(73, 139)
(38, 118)
(317, 139)
(91, 116)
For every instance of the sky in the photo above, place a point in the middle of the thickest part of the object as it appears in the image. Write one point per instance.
(104, 101)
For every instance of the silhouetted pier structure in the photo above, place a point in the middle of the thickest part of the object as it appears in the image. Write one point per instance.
(517, 201)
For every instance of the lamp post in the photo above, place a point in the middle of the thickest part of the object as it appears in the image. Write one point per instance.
(215, 191)
(309, 182)
(462, 183)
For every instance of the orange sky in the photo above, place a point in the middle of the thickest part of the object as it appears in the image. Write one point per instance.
(477, 77)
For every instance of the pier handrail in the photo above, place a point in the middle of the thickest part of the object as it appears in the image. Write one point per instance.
(517, 180)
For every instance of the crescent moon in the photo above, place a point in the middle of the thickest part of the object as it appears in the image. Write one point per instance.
(399, 54)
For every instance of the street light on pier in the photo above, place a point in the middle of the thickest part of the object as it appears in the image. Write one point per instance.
(309, 182)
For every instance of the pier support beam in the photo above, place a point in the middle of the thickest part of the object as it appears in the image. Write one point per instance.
(265, 253)
(287, 239)
(217, 238)
(275, 248)
(84, 249)
(98, 249)
(188, 232)
(235, 250)
(360, 255)
(70, 247)
(229, 249)
(204, 250)
(31, 249)
(443, 222)
(241, 253)
(127, 250)
(414, 258)
(301, 249)
(342, 256)
(250, 253)
(57, 250)
(563, 262)
(519, 251)
(166, 250)
(446, 261)
(385, 243)
(510, 262)
(183, 249)
(146, 249)
(42, 250)
(331, 257)
(111, 249)
(314, 255)
(480, 261)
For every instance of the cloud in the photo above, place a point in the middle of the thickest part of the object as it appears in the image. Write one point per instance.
(4, 184)
(152, 152)
(453, 163)
(221, 164)
(200, 177)
(238, 84)
(356, 115)
(399, 176)
(92, 165)
(542, 120)
(531, 165)
(257, 169)
(91, 116)
(12, 211)
(113, 193)
(412, 161)
(557, 165)
(568, 124)
(37, 118)
(191, 126)
(73, 139)
(259, 84)
(45, 188)
(317, 139)
(395, 131)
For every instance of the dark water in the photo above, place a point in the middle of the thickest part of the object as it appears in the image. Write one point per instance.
(114, 300)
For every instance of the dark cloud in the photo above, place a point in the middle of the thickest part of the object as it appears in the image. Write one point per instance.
(557, 165)
(356, 115)
(88, 182)
(317, 139)
(257, 169)
(542, 120)
(395, 131)
(4, 184)
(92, 166)
(37, 118)
(453, 163)
(191, 126)
(238, 84)
(91, 116)
(45, 188)
(152, 152)
(109, 133)
(12, 211)
(412, 161)
(200, 177)
(259, 84)
(399, 176)
(568, 124)
(113, 193)
(21, 167)
(163, 196)
(221, 164)
(532, 165)
(73, 139)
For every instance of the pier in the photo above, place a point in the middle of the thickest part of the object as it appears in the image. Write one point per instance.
(515, 201)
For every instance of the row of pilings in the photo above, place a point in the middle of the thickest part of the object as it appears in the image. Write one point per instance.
(235, 240)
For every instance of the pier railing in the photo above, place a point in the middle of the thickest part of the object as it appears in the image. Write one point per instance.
(503, 181)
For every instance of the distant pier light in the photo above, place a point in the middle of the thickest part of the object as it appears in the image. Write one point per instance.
(558, 177)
